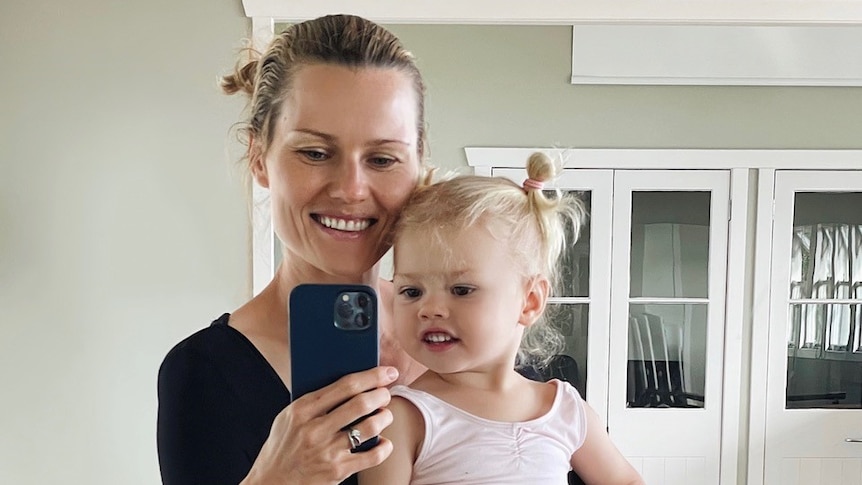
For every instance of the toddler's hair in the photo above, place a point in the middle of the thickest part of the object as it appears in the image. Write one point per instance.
(532, 225)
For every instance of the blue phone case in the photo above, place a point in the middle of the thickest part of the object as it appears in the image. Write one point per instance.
(322, 347)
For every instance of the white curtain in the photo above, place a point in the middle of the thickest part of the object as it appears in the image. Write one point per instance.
(826, 263)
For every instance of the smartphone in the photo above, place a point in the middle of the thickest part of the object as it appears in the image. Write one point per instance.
(333, 332)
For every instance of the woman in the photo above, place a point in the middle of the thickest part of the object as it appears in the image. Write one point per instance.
(336, 133)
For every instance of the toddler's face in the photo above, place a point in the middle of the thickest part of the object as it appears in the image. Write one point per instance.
(459, 299)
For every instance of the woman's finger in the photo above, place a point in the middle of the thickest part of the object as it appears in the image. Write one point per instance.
(368, 427)
(324, 400)
(356, 462)
(358, 407)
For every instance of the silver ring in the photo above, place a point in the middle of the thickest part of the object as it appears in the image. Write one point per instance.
(355, 438)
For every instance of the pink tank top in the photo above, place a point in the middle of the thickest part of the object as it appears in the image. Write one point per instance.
(464, 449)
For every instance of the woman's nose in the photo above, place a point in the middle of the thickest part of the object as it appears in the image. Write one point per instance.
(350, 182)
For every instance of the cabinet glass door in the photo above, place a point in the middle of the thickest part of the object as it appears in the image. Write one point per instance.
(667, 322)
(579, 306)
(814, 396)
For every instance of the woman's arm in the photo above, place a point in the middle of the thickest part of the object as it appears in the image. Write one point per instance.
(308, 445)
(406, 434)
(598, 461)
(201, 439)
(195, 443)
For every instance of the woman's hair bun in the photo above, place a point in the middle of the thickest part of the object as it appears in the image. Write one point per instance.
(242, 78)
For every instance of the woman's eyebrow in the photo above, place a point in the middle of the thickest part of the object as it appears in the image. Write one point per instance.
(307, 131)
(384, 141)
(331, 139)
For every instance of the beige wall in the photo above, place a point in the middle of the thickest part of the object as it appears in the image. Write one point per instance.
(123, 225)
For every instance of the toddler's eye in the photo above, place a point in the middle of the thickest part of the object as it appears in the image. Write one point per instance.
(410, 292)
(462, 290)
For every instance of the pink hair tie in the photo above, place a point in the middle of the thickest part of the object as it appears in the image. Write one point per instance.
(533, 184)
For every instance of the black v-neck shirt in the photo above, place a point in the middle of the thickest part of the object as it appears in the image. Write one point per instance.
(218, 397)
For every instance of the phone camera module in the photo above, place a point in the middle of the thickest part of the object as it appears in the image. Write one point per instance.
(354, 310)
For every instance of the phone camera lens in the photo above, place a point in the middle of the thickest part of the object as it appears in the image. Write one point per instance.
(345, 310)
(360, 320)
(362, 300)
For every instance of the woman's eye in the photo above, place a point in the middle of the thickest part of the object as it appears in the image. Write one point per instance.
(314, 155)
(381, 162)
(462, 290)
(411, 292)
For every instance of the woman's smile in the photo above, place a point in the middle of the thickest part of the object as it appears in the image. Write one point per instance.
(342, 224)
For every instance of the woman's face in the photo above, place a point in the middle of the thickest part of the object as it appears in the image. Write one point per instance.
(342, 161)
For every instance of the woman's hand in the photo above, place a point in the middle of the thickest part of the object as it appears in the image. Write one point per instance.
(307, 443)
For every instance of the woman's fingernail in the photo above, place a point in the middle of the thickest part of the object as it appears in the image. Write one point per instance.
(392, 373)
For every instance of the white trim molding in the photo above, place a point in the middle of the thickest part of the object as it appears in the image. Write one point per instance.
(718, 55)
(760, 331)
(655, 158)
(738, 288)
(567, 12)
(664, 42)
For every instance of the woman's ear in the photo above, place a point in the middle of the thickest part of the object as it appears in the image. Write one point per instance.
(256, 163)
(537, 290)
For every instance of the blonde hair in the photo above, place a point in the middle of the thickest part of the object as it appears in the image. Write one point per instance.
(532, 225)
(343, 40)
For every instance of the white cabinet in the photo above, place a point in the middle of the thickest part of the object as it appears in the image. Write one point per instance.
(716, 313)
(667, 322)
(814, 361)
(642, 306)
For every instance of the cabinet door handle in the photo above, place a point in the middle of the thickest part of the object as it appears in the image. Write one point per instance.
(853, 440)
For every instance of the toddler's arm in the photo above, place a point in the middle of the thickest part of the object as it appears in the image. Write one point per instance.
(598, 461)
(406, 434)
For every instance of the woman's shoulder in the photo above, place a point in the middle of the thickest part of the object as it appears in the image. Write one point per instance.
(218, 356)
(204, 349)
(200, 343)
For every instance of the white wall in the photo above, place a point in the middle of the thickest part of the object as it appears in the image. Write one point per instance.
(123, 224)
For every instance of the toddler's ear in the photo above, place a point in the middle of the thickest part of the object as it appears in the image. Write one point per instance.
(537, 289)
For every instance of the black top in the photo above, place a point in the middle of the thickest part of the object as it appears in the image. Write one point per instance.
(218, 397)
